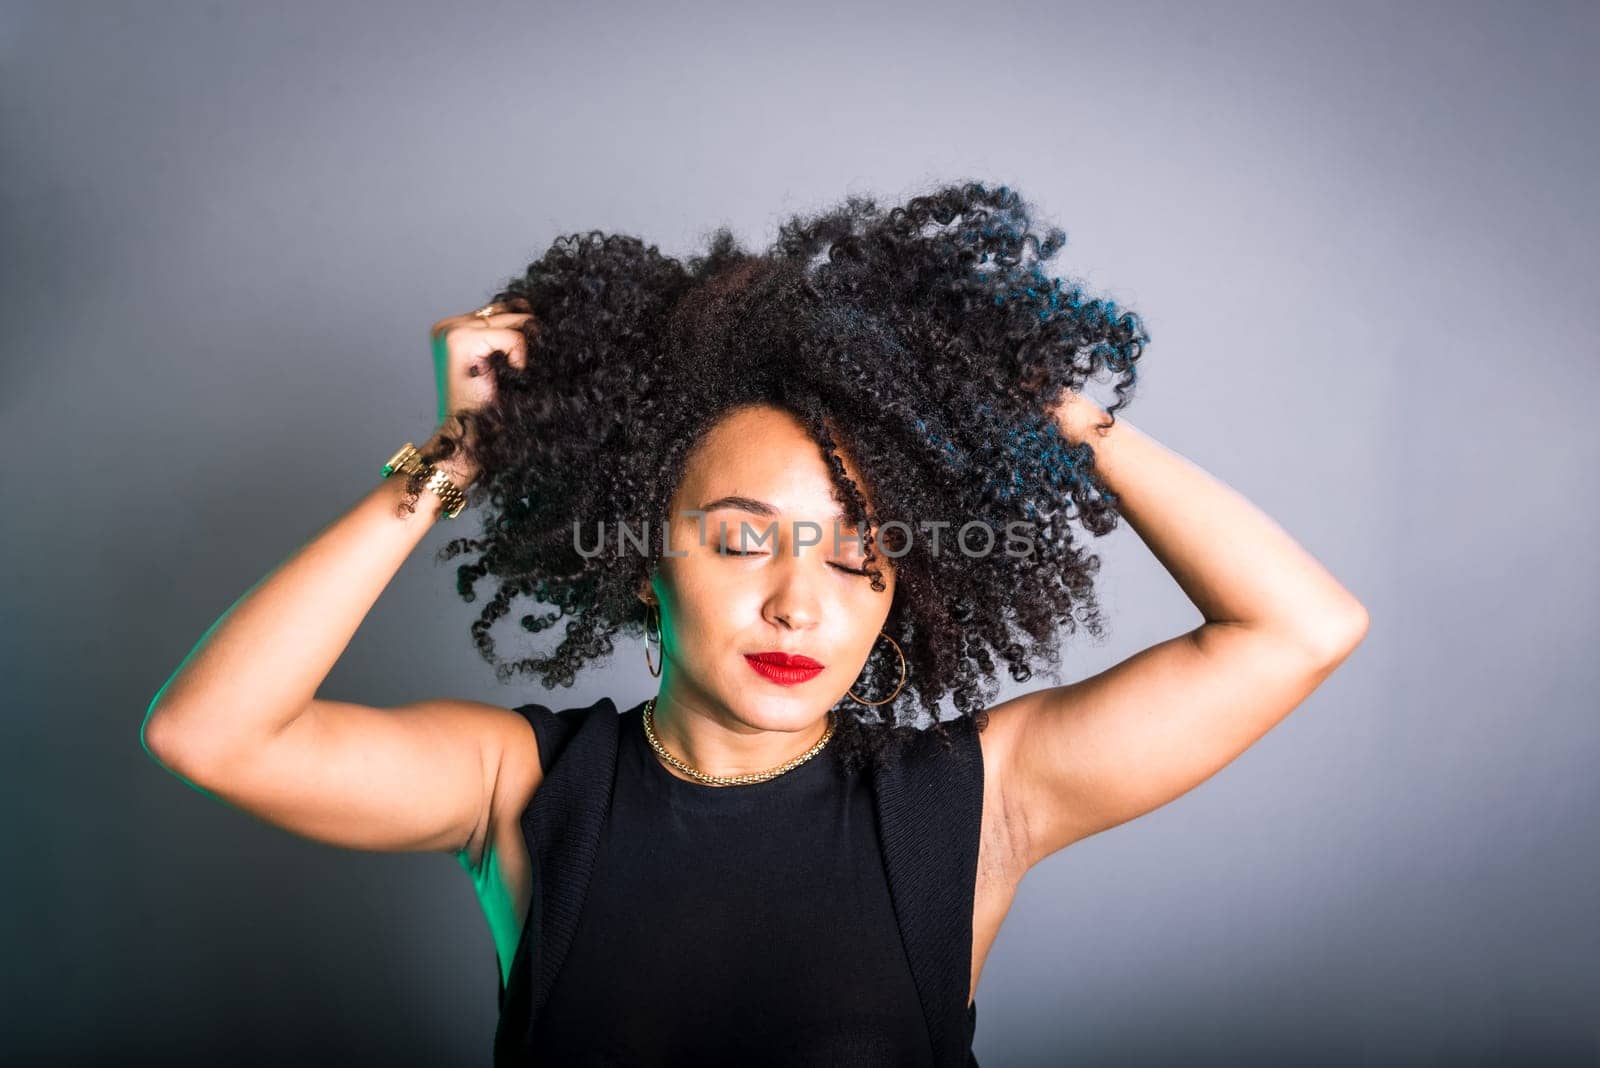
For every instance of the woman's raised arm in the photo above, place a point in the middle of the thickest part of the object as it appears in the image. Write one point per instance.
(1078, 759)
(240, 718)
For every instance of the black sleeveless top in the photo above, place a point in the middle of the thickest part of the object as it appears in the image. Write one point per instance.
(817, 918)
(735, 925)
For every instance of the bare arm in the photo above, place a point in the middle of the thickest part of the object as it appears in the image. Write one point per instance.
(1081, 758)
(240, 719)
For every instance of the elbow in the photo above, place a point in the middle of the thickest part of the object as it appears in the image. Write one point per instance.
(155, 737)
(165, 741)
(1337, 635)
(1321, 639)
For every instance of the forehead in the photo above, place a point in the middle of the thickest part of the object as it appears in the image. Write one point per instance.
(764, 453)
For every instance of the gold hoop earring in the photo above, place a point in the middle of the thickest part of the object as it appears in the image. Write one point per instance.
(655, 669)
(897, 689)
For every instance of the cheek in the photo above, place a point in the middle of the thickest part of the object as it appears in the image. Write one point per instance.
(866, 609)
(711, 612)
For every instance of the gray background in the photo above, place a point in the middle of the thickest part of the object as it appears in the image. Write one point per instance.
(1363, 237)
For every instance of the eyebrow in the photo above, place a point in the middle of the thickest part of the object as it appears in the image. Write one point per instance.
(748, 504)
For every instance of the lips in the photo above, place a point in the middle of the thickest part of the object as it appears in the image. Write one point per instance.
(785, 669)
(782, 659)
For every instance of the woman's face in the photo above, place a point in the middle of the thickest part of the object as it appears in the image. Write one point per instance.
(759, 476)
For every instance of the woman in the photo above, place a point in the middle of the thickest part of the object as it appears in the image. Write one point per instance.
(830, 486)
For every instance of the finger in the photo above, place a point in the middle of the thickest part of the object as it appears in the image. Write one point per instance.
(502, 320)
(451, 374)
(513, 306)
(510, 341)
(498, 319)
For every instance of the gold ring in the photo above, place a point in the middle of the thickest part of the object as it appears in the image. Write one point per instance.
(487, 310)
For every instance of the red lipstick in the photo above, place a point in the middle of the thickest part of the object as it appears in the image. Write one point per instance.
(786, 669)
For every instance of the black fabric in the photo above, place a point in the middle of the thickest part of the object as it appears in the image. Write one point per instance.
(607, 815)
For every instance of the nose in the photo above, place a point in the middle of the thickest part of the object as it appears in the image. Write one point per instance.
(794, 603)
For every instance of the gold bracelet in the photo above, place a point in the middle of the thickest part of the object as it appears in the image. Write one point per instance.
(408, 461)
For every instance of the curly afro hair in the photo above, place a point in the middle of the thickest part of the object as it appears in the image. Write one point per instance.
(926, 341)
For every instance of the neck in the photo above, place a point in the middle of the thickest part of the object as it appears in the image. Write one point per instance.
(712, 740)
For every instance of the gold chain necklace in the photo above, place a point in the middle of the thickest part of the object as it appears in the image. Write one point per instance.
(727, 780)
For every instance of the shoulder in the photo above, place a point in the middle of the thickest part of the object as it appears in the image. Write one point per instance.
(955, 740)
(960, 772)
(538, 751)
(935, 767)
(553, 729)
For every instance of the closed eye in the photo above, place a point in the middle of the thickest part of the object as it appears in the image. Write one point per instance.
(725, 550)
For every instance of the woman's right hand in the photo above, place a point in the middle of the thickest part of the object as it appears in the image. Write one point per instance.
(461, 348)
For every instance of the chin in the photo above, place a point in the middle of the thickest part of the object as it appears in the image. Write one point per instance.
(779, 711)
